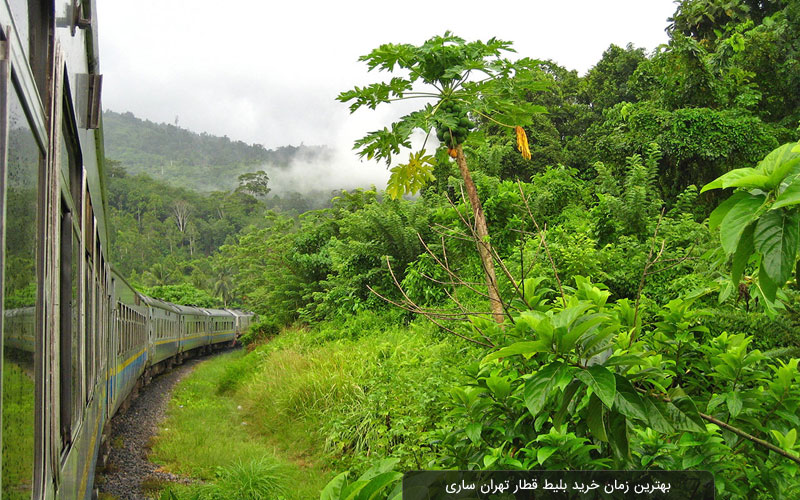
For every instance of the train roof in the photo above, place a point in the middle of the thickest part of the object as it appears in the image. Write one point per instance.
(161, 304)
(190, 310)
(239, 313)
(219, 312)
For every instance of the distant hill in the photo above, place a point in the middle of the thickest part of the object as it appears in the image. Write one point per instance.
(198, 161)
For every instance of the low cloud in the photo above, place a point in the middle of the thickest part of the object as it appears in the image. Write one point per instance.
(334, 169)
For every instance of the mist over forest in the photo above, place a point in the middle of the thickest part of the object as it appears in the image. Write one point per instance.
(206, 163)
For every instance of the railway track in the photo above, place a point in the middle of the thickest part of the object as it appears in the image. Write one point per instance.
(128, 472)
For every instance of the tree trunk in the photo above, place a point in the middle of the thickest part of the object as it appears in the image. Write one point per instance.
(482, 231)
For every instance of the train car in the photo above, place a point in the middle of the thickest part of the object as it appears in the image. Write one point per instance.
(221, 326)
(76, 339)
(54, 273)
(129, 342)
(243, 320)
(193, 327)
(164, 330)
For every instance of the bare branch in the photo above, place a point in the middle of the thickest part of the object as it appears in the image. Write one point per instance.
(544, 243)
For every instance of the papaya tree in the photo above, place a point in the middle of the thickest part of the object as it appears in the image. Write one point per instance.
(457, 81)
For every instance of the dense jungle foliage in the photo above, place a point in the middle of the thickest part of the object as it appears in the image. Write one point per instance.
(645, 255)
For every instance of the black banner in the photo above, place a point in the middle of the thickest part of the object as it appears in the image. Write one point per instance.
(558, 485)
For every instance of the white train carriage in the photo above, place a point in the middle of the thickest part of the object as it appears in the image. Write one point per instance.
(193, 328)
(242, 320)
(164, 330)
(221, 326)
(129, 341)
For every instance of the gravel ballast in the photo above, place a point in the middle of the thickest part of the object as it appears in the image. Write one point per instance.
(131, 433)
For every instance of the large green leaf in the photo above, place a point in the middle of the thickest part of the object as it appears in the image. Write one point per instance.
(684, 415)
(473, 431)
(601, 381)
(751, 181)
(731, 179)
(594, 418)
(618, 437)
(567, 342)
(722, 210)
(657, 416)
(537, 388)
(744, 250)
(768, 287)
(789, 196)
(628, 400)
(776, 239)
(569, 394)
(737, 219)
(779, 163)
(333, 490)
(377, 484)
(527, 349)
(735, 403)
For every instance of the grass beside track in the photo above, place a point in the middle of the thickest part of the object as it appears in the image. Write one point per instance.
(280, 421)
(207, 436)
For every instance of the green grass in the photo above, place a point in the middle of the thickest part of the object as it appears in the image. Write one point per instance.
(206, 436)
(18, 435)
(308, 405)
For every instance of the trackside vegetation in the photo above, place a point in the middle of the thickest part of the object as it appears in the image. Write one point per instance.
(595, 272)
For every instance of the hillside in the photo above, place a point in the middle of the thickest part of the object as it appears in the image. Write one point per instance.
(198, 161)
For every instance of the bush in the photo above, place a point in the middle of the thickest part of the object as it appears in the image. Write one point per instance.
(263, 329)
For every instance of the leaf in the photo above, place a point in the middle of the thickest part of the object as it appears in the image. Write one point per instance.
(385, 465)
(543, 453)
(726, 292)
(333, 490)
(566, 399)
(412, 176)
(568, 341)
(744, 250)
(779, 164)
(601, 381)
(473, 431)
(737, 218)
(628, 401)
(537, 387)
(722, 210)
(351, 491)
(618, 437)
(727, 179)
(594, 418)
(789, 196)
(527, 349)
(684, 415)
(776, 237)
(735, 403)
(790, 439)
(769, 288)
(657, 416)
(752, 181)
(499, 385)
(377, 484)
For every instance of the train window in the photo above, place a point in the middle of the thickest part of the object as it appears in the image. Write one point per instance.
(65, 322)
(70, 159)
(20, 342)
(96, 313)
(89, 328)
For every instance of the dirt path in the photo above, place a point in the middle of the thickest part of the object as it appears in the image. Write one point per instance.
(131, 433)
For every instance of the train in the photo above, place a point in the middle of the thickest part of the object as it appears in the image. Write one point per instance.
(77, 339)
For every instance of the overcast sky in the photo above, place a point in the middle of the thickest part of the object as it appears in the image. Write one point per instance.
(268, 72)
